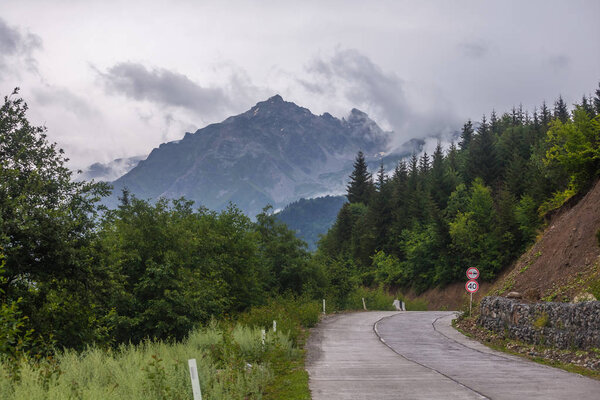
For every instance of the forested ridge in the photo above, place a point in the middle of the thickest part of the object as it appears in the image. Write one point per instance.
(75, 274)
(478, 203)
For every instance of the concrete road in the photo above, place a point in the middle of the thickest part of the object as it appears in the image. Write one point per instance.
(418, 355)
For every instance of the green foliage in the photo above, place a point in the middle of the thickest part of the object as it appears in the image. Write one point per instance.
(594, 288)
(291, 315)
(574, 146)
(311, 218)
(527, 217)
(388, 267)
(557, 200)
(541, 321)
(360, 188)
(284, 256)
(476, 205)
(375, 299)
(156, 370)
(47, 222)
(415, 305)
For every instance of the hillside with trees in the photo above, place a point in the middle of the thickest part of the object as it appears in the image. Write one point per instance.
(479, 203)
(75, 275)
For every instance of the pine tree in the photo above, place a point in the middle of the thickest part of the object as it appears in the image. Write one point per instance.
(360, 187)
(483, 158)
(536, 121)
(424, 164)
(494, 123)
(561, 112)
(438, 181)
(452, 158)
(466, 135)
(381, 178)
(587, 106)
(545, 117)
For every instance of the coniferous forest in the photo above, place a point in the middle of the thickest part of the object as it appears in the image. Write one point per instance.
(479, 203)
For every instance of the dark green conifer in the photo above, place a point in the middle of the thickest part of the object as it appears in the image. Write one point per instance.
(466, 135)
(561, 112)
(360, 187)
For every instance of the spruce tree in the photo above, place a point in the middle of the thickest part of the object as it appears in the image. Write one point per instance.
(466, 135)
(545, 117)
(424, 164)
(483, 161)
(561, 112)
(381, 178)
(596, 100)
(587, 106)
(360, 187)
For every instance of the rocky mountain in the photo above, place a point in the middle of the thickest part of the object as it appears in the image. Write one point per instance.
(275, 153)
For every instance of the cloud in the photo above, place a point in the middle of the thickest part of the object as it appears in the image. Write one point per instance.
(363, 84)
(473, 49)
(164, 87)
(50, 96)
(16, 49)
(559, 62)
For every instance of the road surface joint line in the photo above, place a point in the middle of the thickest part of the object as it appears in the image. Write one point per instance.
(423, 365)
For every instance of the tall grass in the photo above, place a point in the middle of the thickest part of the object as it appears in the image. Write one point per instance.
(375, 299)
(232, 364)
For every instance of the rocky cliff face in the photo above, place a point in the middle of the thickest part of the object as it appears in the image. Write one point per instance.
(274, 153)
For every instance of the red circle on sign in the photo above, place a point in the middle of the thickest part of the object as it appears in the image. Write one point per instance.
(472, 273)
(472, 286)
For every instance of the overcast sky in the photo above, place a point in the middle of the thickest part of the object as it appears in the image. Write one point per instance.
(115, 79)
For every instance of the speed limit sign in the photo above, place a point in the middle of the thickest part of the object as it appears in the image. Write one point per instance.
(472, 286)
(472, 273)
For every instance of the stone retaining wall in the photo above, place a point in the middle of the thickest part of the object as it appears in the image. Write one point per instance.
(563, 325)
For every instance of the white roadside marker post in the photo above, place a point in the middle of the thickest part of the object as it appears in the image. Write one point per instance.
(364, 305)
(323, 306)
(264, 335)
(274, 326)
(194, 377)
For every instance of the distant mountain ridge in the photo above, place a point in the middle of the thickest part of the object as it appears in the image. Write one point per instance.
(310, 218)
(275, 153)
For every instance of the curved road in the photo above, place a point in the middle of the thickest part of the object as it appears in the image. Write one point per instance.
(418, 355)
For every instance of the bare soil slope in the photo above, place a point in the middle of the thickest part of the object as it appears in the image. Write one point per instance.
(566, 257)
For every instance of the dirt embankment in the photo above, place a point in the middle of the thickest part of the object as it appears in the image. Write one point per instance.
(561, 264)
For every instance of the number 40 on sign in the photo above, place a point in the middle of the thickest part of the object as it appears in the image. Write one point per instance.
(472, 286)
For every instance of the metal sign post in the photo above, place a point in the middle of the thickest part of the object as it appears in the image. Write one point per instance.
(472, 286)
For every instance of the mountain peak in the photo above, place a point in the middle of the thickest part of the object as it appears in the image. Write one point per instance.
(357, 115)
(275, 99)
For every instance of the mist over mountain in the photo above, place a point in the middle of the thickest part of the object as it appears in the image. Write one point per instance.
(275, 153)
(109, 171)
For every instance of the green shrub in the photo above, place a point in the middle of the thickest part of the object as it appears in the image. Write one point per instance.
(594, 288)
(292, 315)
(542, 321)
(375, 299)
(557, 200)
(415, 305)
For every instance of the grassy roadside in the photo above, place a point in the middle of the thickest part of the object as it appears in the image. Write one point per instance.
(583, 362)
(233, 363)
